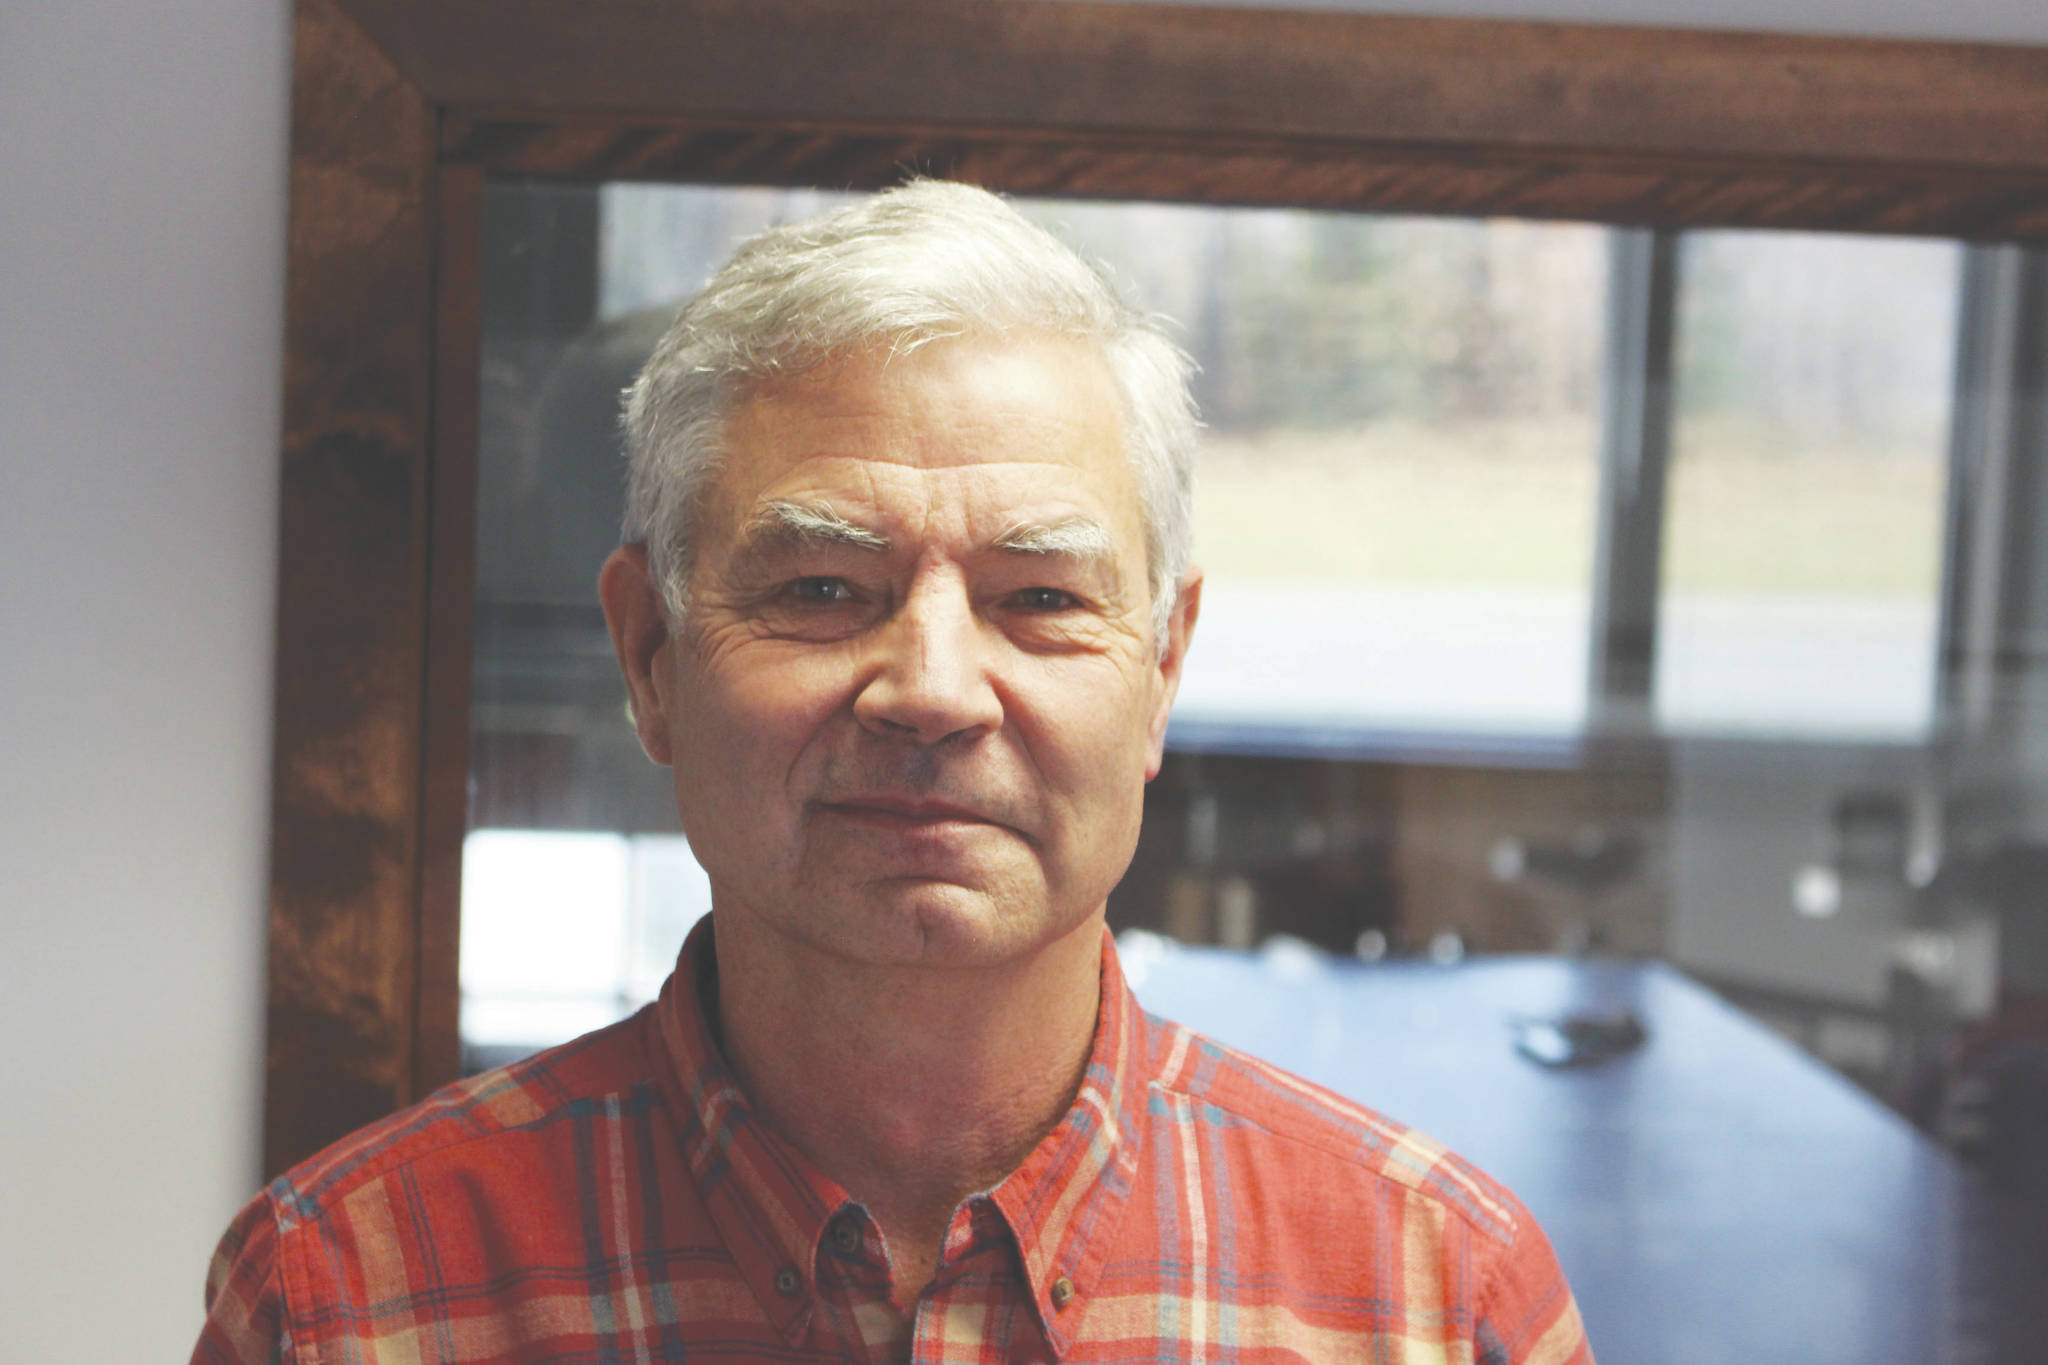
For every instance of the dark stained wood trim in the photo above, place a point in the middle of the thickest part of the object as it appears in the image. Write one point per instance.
(350, 624)
(1185, 71)
(451, 604)
(1626, 190)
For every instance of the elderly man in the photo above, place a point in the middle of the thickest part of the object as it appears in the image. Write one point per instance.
(904, 603)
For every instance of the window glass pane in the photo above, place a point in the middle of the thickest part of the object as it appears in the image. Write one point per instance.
(567, 931)
(1802, 550)
(1396, 479)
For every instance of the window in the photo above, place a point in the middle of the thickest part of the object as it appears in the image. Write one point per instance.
(567, 931)
(1806, 503)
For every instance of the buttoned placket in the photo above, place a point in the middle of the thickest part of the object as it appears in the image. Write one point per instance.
(792, 1294)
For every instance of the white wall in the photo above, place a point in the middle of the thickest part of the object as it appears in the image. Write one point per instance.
(141, 259)
(141, 244)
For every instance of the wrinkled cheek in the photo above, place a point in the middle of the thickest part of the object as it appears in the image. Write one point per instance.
(717, 800)
(749, 761)
(1103, 837)
(1127, 836)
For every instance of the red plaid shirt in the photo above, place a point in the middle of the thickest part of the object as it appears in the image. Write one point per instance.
(614, 1200)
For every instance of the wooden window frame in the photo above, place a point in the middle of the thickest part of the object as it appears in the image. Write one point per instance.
(402, 108)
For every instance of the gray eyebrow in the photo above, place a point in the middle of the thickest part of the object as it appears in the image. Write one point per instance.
(1072, 538)
(811, 523)
(1077, 537)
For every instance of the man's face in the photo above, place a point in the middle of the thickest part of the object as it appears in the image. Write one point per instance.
(917, 698)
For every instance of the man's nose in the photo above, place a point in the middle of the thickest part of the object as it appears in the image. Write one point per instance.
(928, 677)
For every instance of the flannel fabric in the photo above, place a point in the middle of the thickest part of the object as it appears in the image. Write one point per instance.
(614, 1200)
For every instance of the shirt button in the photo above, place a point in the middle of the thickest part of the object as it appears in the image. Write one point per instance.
(846, 1236)
(787, 1281)
(1062, 1293)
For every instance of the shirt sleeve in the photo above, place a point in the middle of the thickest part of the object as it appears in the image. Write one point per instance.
(244, 1300)
(1527, 1315)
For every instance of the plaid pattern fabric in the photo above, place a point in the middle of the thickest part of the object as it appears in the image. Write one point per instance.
(614, 1200)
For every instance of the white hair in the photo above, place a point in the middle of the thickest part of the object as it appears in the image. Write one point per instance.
(914, 264)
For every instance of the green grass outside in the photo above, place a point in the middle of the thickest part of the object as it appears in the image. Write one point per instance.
(1509, 502)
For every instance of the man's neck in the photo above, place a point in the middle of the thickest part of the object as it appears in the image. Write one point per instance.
(911, 1087)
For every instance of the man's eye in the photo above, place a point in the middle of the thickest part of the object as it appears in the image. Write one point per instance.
(1046, 599)
(818, 592)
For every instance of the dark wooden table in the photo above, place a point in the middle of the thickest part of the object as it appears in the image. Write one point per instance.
(1715, 1195)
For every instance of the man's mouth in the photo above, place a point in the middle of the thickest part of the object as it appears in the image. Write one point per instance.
(908, 810)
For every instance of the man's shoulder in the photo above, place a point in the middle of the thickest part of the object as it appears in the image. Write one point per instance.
(1331, 1142)
(412, 1209)
(473, 1120)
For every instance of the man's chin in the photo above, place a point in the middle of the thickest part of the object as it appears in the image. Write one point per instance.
(929, 922)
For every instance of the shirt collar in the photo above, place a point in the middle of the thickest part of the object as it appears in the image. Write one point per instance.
(1063, 1203)
(772, 1208)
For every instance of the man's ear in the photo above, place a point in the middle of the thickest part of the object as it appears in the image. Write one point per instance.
(639, 625)
(1180, 629)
